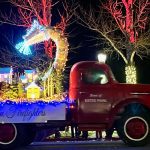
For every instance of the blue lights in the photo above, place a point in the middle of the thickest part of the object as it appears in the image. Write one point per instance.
(23, 48)
(39, 102)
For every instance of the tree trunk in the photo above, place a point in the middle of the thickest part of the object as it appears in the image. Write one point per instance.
(130, 72)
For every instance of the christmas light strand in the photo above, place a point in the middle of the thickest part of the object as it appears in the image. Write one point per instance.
(130, 72)
(39, 102)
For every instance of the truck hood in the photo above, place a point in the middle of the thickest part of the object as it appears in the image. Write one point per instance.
(132, 93)
(135, 88)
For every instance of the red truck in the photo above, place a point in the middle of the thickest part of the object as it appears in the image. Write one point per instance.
(96, 102)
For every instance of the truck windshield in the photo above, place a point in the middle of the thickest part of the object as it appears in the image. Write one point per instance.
(94, 76)
(112, 75)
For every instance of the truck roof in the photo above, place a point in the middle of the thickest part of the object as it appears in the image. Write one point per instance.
(84, 64)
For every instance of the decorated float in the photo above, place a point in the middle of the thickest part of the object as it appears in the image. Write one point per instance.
(32, 100)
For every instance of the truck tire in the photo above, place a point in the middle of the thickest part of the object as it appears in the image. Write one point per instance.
(10, 136)
(134, 130)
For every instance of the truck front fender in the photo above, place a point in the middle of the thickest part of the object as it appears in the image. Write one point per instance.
(119, 107)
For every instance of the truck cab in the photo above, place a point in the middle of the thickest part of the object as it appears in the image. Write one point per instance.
(102, 103)
(91, 86)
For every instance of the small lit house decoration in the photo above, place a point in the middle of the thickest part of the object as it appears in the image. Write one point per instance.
(6, 74)
(33, 91)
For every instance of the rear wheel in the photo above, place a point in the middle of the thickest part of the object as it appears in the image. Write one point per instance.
(10, 136)
(134, 129)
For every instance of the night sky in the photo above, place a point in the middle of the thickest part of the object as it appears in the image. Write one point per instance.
(83, 48)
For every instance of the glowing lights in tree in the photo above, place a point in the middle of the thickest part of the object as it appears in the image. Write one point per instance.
(130, 72)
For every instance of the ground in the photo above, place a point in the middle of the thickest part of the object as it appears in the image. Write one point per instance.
(82, 145)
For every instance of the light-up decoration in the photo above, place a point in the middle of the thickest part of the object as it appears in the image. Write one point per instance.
(37, 34)
(33, 91)
(35, 25)
(130, 72)
(23, 48)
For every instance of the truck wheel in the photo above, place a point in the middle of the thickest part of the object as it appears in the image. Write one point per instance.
(9, 136)
(134, 130)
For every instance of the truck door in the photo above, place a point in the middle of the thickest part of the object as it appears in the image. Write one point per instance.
(95, 97)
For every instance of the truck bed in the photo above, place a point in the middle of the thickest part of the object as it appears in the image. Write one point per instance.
(33, 112)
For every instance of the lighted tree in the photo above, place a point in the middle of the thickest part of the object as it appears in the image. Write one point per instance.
(131, 17)
(126, 30)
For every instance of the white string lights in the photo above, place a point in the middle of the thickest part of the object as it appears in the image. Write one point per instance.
(130, 72)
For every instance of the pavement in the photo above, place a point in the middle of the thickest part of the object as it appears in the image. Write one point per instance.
(94, 142)
(82, 145)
